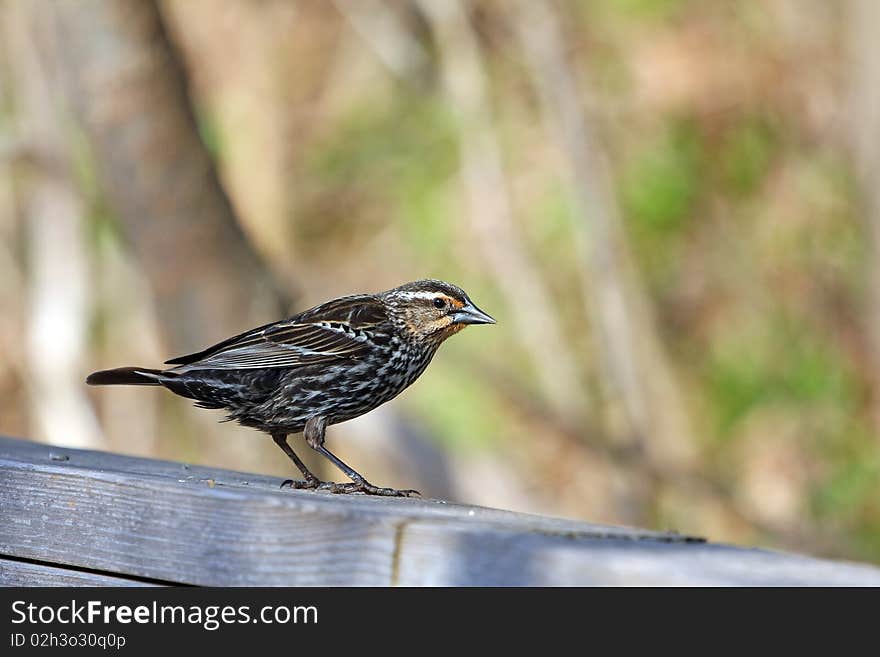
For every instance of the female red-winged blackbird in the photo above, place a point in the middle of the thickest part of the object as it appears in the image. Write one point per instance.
(328, 364)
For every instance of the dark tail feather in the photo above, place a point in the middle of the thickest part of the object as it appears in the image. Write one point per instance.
(125, 376)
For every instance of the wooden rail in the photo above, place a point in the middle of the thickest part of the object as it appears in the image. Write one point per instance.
(74, 517)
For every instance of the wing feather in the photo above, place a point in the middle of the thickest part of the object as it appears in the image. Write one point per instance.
(333, 331)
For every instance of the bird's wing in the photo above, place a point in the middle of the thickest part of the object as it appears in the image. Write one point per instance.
(337, 330)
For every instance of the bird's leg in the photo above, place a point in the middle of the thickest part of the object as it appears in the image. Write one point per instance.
(311, 481)
(314, 434)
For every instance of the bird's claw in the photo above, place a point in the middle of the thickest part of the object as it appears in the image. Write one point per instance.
(299, 484)
(367, 488)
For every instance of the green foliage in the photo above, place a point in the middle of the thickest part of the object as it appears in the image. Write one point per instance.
(847, 498)
(846, 488)
(104, 231)
(661, 186)
(210, 133)
(649, 9)
(404, 150)
(410, 138)
(746, 154)
(659, 190)
(778, 362)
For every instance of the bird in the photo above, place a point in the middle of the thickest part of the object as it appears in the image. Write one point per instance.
(325, 365)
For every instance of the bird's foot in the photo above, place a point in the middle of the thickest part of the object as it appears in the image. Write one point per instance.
(362, 486)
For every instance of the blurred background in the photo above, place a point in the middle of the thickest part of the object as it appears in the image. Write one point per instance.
(672, 208)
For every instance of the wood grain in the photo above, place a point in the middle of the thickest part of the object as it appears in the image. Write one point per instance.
(23, 573)
(177, 523)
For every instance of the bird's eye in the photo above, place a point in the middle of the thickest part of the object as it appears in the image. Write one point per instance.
(439, 303)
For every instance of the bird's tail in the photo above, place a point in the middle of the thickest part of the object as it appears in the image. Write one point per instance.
(125, 376)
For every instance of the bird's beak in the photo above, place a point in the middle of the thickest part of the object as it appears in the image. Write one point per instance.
(470, 314)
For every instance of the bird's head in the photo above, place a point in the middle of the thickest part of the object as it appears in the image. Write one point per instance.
(431, 310)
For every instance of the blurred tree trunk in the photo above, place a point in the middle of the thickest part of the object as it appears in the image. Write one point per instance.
(636, 373)
(864, 18)
(491, 216)
(129, 93)
(57, 314)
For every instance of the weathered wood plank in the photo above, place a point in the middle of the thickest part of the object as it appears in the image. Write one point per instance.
(184, 478)
(459, 556)
(23, 573)
(178, 523)
(185, 532)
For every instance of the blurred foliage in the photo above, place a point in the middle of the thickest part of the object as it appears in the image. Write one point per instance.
(392, 157)
(736, 194)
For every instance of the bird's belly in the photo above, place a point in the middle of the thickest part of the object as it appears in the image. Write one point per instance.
(338, 393)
